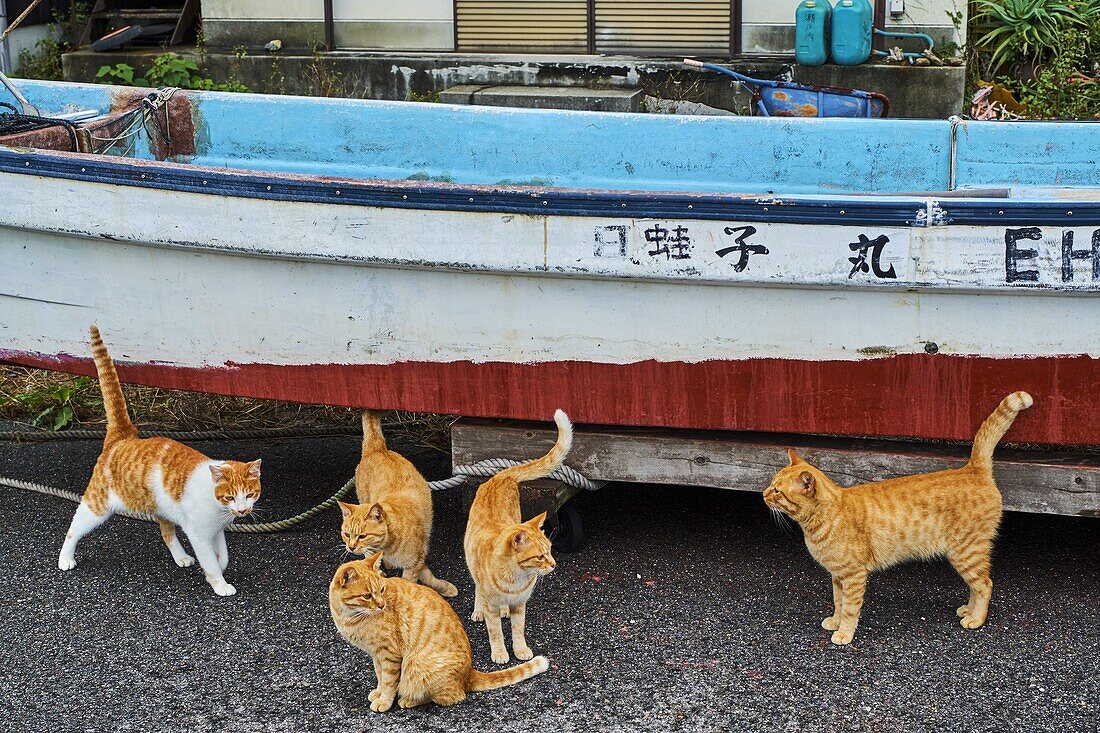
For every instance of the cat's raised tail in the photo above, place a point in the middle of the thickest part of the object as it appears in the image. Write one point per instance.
(541, 467)
(373, 439)
(480, 681)
(995, 426)
(119, 426)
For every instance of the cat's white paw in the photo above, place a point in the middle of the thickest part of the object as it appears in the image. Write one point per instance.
(381, 705)
(185, 561)
(224, 589)
(373, 694)
(499, 656)
(971, 622)
(830, 623)
(523, 652)
(66, 563)
(477, 616)
(842, 637)
(449, 591)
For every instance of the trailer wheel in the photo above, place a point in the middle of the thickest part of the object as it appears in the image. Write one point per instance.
(569, 531)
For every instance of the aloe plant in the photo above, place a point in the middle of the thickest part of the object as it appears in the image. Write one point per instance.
(1028, 30)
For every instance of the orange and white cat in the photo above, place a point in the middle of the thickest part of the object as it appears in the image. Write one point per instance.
(419, 648)
(394, 513)
(505, 555)
(854, 531)
(179, 485)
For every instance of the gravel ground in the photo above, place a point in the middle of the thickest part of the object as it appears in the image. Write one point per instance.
(688, 610)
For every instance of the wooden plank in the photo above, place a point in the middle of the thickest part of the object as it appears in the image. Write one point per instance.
(1048, 483)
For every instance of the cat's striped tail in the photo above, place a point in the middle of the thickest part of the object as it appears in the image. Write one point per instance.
(118, 420)
(373, 439)
(995, 426)
(480, 681)
(541, 467)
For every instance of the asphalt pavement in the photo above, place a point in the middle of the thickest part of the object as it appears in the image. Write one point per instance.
(689, 609)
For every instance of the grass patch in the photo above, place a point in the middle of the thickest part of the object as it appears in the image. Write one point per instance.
(58, 401)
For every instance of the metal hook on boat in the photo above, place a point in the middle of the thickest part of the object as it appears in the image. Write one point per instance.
(27, 107)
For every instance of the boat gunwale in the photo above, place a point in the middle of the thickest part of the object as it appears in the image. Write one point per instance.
(850, 209)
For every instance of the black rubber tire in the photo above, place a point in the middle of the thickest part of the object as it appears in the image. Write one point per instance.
(569, 534)
(117, 38)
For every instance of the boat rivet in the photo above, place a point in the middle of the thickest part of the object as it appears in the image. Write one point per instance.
(143, 175)
(404, 196)
(931, 347)
(1069, 213)
(765, 208)
(337, 192)
(690, 206)
(624, 205)
(204, 183)
(472, 200)
(1001, 213)
(544, 203)
(269, 188)
(842, 212)
(28, 164)
(83, 170)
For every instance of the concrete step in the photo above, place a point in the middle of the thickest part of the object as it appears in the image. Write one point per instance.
(574, 98)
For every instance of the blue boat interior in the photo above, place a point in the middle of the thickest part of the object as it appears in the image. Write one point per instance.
(365, 139)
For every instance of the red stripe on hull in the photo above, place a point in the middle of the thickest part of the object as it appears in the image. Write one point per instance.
(910, 395)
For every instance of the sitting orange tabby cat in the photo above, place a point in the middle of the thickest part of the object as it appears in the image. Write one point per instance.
(506, 556)
(872, 526)
(160, 476)
(420, 651)
(395, 510)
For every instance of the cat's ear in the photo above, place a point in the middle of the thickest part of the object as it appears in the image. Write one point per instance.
(808, 483)
(254, 468)
(345, 508)
(217, 471)
(519, 539)
(536, 522)
(376, 513)
(349, 574)
(376, 561)
(795, 459)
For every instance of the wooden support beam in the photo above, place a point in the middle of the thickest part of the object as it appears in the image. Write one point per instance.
(1048, 483)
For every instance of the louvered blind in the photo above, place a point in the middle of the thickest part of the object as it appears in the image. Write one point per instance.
(502, 25)
(661, 27)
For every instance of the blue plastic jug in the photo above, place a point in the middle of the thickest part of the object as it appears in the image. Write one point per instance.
(811, 32)
(851, 31)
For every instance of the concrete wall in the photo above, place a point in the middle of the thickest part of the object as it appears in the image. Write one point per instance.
(428, 25)
(935, 92)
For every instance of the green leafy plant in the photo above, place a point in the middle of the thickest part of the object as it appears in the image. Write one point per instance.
(43, 60)
(55, 405)
(119, 74)
(1015, 31)
(168, 70)
(1062, 90)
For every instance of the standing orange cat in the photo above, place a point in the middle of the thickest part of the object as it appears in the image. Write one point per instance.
(853, 531)
(505, 555)
(394, 513)
(419, 648)
(162, 477)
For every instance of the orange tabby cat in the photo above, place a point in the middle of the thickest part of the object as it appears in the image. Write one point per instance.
(853, 531)
(506, 556)
(160, 476)
(395, 510)
(420, 651)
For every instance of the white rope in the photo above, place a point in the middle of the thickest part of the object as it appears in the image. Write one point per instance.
(492, 466)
